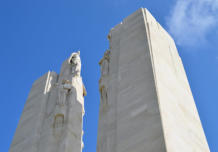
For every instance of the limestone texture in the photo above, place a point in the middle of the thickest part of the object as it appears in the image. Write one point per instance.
(52, 118)
(146, 102)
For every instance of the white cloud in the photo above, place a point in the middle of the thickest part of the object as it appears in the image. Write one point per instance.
(191, 20)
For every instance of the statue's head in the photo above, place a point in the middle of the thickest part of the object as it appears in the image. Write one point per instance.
(74, 58)
(107, 55)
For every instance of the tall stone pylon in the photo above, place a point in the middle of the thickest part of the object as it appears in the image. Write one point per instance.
(52, 118)
(146, 102)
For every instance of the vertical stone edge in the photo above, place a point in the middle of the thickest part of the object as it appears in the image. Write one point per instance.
(148, 35)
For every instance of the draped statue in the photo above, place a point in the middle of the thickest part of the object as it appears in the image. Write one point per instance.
(104, 63)
(64, 90)
(75, 62)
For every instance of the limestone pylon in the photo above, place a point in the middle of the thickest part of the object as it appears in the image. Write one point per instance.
(52, 118)
(146, 102)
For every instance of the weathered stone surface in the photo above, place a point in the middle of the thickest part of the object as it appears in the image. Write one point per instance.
(146, 102)
(52, 118)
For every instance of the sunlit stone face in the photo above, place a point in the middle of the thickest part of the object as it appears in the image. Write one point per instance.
(146, 102)
(53, 115)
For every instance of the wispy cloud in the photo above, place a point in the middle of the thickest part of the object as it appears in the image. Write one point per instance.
(191, 20)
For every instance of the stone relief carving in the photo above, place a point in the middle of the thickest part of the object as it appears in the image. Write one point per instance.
(103, 92)
(109, 36)
(58, 125)
(64, 90)
(59, 121)
(75, 62)
(104, 63)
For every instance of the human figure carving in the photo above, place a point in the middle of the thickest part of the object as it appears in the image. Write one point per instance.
(64, 90)
(59, 121)
(105, 63)
(75, 61)
(103, 95)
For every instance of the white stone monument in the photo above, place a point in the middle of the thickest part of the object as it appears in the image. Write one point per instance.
(52, 118)
(146, 102)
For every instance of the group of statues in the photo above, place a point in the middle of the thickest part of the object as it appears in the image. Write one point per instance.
(104, 63)
(65, 88)
(66, 91)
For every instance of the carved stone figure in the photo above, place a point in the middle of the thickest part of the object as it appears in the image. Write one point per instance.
(56, 118)
(59, 121)
(104, 63)
(75, 61)
(103, 92)
(58, 125)
(64, 90)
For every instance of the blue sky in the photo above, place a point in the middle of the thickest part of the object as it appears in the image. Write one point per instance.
(37, 36)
